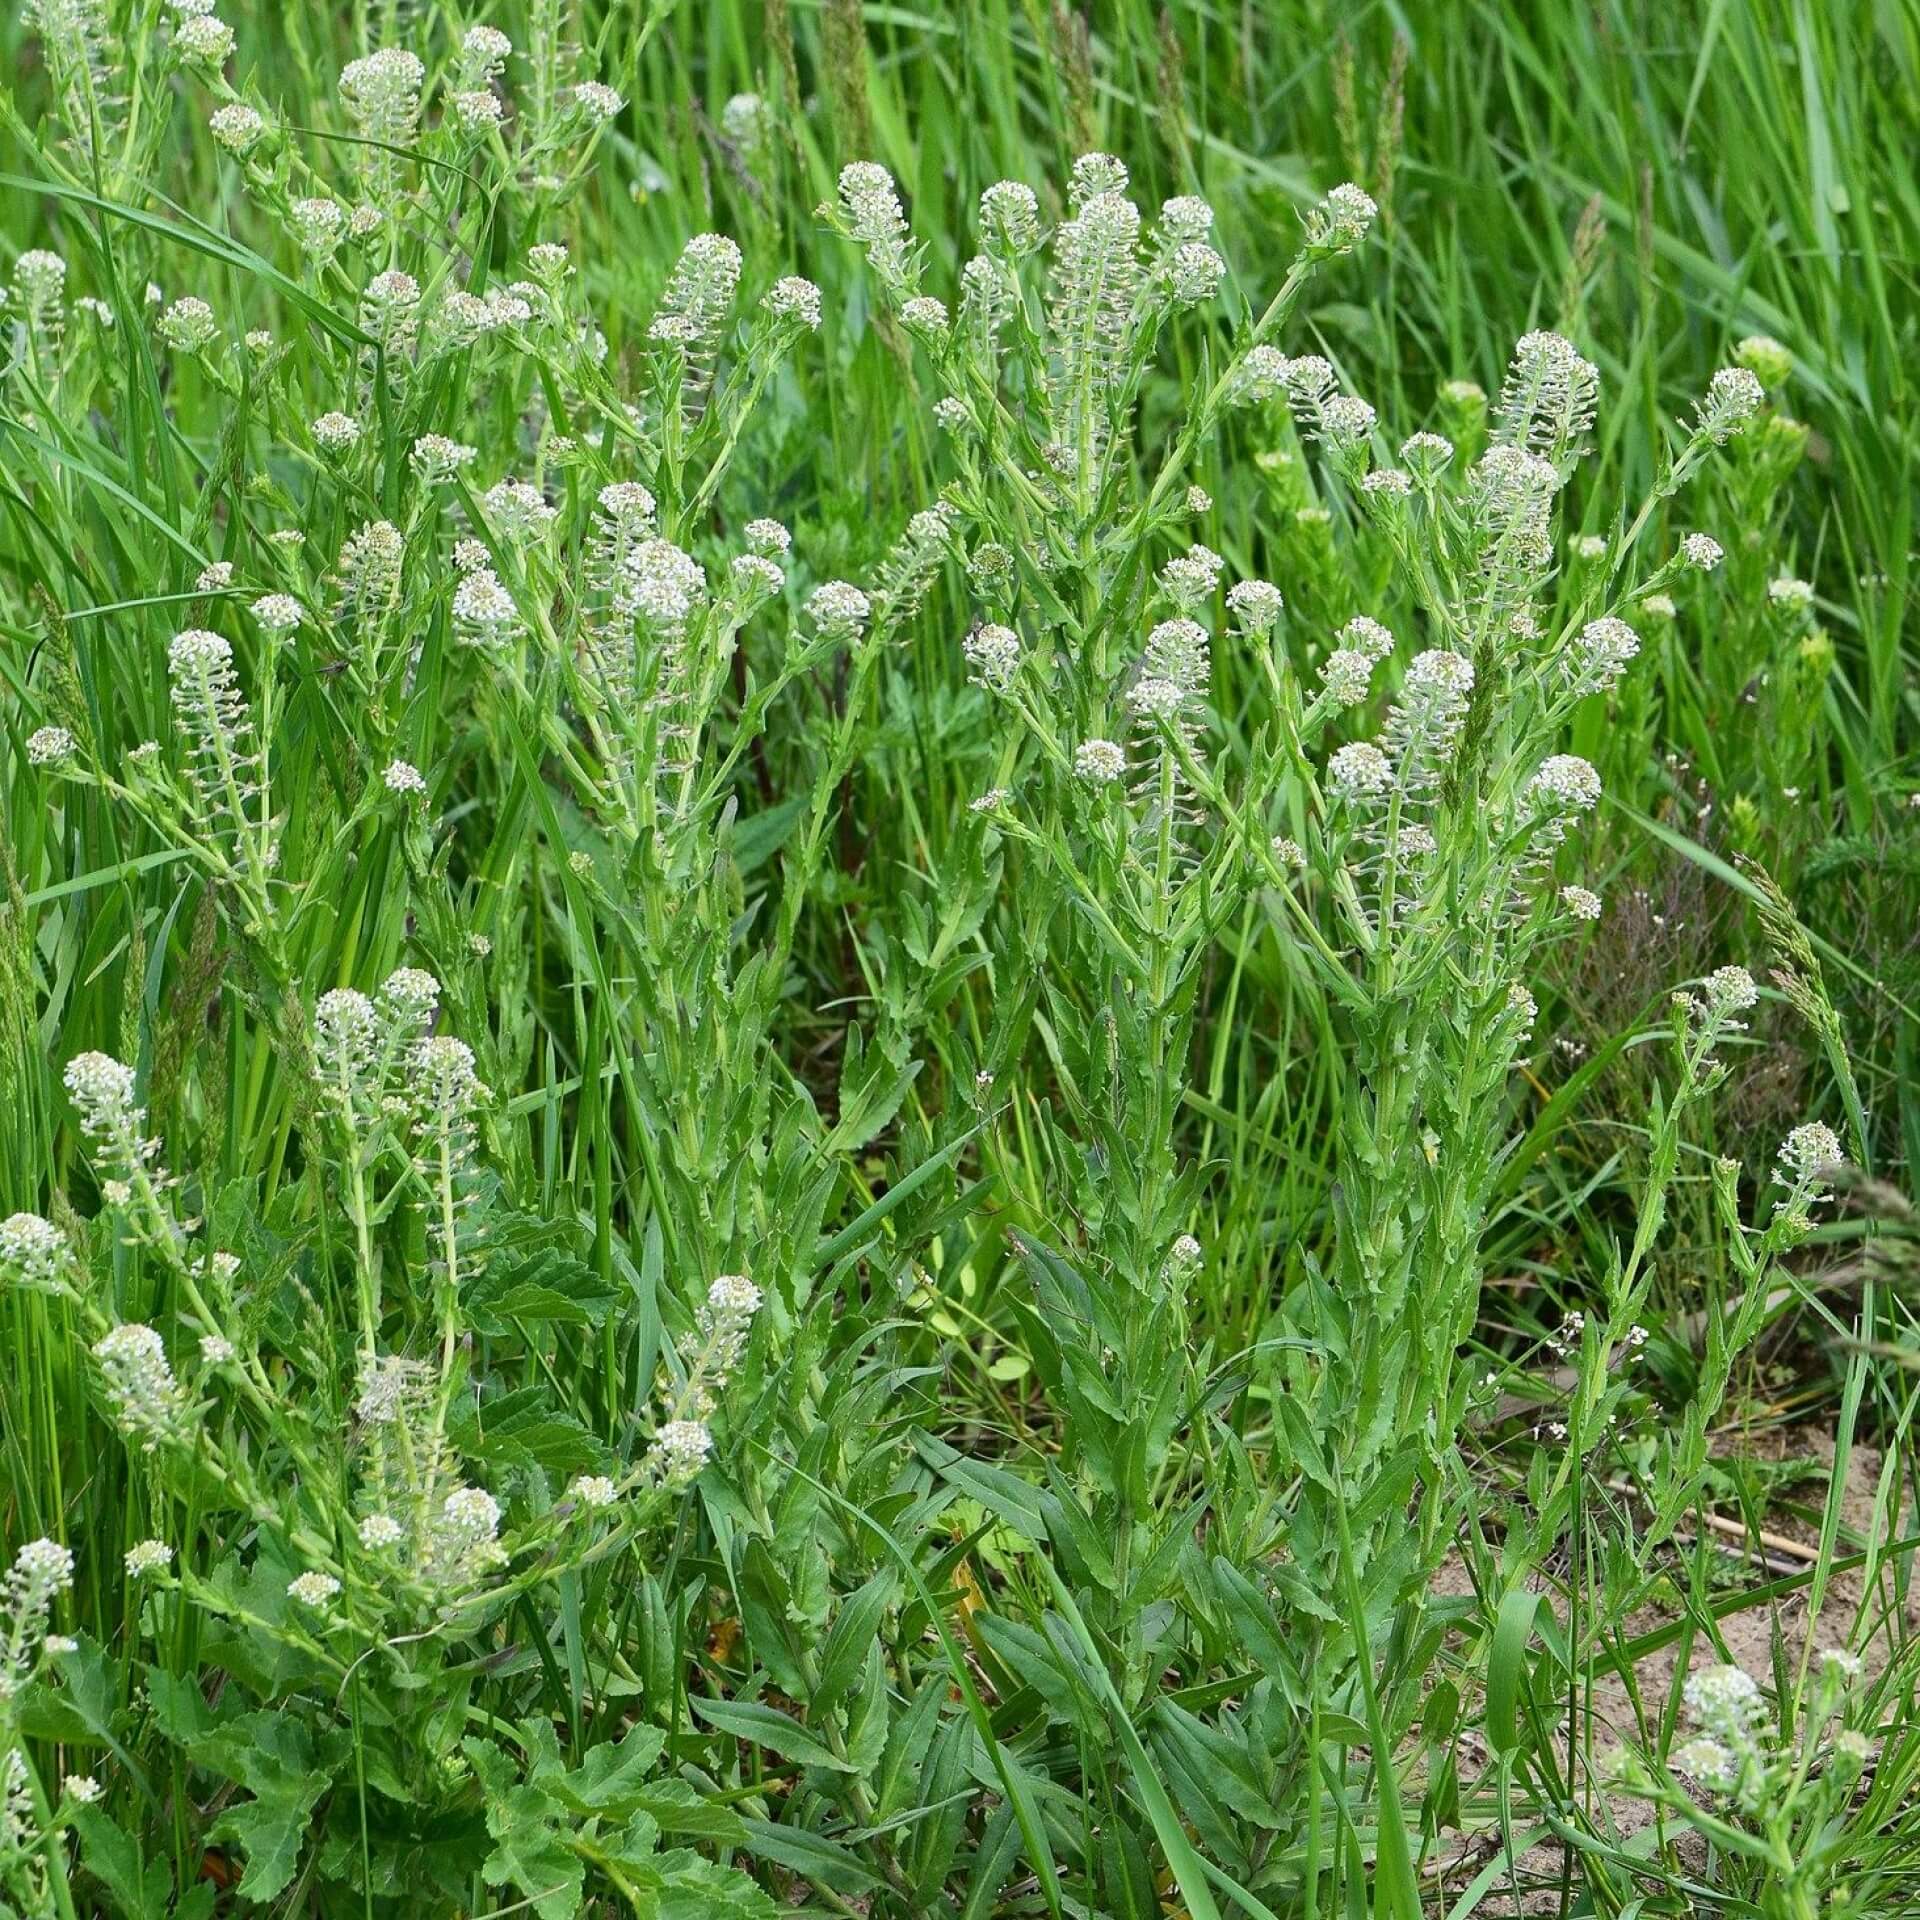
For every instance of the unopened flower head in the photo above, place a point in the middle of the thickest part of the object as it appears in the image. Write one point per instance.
(1787, 591)
(1765, 358)
(925, 315)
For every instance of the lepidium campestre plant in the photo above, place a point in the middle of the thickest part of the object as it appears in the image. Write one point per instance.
(357, 1521)
(1416, 876)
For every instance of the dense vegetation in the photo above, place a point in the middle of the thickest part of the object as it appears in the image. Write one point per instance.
(958, 962)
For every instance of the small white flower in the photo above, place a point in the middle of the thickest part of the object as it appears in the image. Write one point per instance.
(599, 103)
(1581, 902)
(188, 325)
(32, 1249)
(1257, 603)
(149, 1556)
(50, 747)
(312, 1589)
(1346, 675)
(278, 612)
(1786, 591)
(795, 300)
(1099, 761)
(1812, 1152)
(1734, 395)
(215, 1349)
(1731, 990)
(1566, 783)
(380, 1530)
(203, 40)
(839, 609)
(402, 776)
(1701, 551)
(993, 652)
(335, 432)
(236, 126)
(435, 457)
(1340, 222)
(1360, 768)
(680, 1449)
(81, 1787)
(595, 1490)
(1366, 637)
